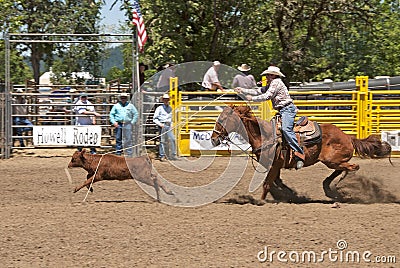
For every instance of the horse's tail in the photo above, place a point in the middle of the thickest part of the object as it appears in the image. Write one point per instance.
(371, 147)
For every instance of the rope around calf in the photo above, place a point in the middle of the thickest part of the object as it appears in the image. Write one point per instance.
(141, 144)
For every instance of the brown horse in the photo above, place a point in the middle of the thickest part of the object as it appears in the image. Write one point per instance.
(334, 150)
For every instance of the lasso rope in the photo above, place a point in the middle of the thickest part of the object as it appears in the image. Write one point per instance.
(141, 144)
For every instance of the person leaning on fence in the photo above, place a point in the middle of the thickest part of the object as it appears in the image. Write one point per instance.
(163, 119)
(86, 115)
(244, 79)
(123, 116)
(211, 80)
(278, 93)
(21, 111)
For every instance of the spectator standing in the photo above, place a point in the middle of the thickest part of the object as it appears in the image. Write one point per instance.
(142, 68)
(244, 80)
(163, 119)
(123, 116)
(86, 115)
(21, 111)
(278, 93)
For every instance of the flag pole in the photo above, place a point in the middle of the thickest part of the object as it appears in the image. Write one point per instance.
(135, 93)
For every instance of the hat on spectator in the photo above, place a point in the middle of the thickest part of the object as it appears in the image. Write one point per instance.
(244, 68)
(216, 63)
(124, 95)
(165, 96)
(273, 70)
(19, 91)
(72, 90)
(83, 94)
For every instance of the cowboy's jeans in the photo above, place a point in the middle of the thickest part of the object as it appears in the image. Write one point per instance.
(20, 130)
(288, 114)
(167, 135)
(123, 139)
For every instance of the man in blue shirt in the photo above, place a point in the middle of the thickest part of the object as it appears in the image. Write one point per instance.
(122, 116)
(163, 119)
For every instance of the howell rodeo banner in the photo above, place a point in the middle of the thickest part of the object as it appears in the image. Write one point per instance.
(66, 135)
(201, 140)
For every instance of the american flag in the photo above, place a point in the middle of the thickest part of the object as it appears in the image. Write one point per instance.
(137, 19)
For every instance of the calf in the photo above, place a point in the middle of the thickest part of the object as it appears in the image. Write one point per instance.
(114, 167)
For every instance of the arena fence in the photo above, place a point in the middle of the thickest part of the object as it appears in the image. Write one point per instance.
(2, 125)
(358, 112)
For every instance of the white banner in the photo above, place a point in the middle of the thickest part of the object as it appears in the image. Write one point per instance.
(393, 138)
(66, 135)
(201, 140)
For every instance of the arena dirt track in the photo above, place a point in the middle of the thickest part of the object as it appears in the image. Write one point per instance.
(43, 224)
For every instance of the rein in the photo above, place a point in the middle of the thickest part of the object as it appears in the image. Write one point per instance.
(226, 138)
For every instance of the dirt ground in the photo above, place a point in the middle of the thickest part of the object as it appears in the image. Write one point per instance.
(43, 224)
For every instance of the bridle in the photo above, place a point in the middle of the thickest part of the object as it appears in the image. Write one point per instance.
(225, 139)
(220, 134)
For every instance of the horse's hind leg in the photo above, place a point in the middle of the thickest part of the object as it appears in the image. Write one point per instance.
(327, 182)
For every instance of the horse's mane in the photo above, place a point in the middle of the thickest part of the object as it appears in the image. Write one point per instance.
(244, 112)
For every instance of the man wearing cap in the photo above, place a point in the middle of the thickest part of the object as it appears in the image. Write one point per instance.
(21, 111)
(210, 79)
(86, 115)
(163, 119)
(122, 116)
(244, 79)
(278, 93)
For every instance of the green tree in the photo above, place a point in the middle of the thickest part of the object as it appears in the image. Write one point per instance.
(308, 39)
(56, 16)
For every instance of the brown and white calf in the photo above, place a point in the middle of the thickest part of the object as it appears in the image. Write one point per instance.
(114, 167)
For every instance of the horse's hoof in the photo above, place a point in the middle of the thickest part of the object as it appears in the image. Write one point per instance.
(170, 193)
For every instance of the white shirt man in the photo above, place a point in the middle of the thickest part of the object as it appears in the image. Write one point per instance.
(85, 107)
(210, 79)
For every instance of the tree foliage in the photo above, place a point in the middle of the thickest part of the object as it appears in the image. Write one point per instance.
(308, 39)
(49, 17)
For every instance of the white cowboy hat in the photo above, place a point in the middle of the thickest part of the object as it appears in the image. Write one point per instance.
(216, 63)
(273, 70)
(126, 95)
(19, 91)
(244, 68)
(165, 96)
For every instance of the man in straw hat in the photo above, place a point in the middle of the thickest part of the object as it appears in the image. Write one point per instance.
(244, 79)
(163, 119)
(86, 115)
(278, 93)
(123, 116)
